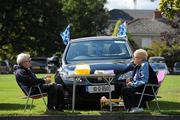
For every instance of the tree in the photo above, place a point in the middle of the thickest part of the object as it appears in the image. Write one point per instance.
(116, 28)
(171, 9)
(87, 17)
(34, 25)
(30, 26)
(157, 48)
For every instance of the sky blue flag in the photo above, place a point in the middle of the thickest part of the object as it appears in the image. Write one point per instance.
(66, 35)
(122, 30)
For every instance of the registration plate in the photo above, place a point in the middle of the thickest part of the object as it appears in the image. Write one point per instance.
(100, 89)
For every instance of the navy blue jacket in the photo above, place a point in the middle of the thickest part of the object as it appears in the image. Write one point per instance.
(26, 78)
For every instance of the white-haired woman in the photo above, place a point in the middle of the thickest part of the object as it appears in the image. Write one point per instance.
(142, 74)
(27, 78)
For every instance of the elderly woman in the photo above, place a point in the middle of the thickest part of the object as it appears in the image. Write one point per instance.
(27, 78)
(142, 74)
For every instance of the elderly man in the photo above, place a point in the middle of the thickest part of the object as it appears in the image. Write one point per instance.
(28, 79)
(143, 73)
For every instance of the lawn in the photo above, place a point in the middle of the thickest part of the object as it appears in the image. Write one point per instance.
(11, 101)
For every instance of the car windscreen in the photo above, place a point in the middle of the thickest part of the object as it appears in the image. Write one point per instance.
(97, 50)
(158, 66)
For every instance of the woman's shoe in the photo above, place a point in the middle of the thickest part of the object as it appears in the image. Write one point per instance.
(136, 110)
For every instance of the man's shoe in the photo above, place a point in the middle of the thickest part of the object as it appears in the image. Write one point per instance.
(136, 110)
(60, 110)
(51, 109)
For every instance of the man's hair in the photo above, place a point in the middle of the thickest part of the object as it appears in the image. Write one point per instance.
(142, 53)
(22, 57)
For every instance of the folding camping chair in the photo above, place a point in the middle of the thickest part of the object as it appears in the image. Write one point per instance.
(28, 93)
(33, 97)
(161, 75)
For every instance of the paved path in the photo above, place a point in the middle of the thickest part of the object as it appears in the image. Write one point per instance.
(91, 117)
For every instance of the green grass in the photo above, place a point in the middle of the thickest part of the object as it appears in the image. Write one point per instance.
(11, 101)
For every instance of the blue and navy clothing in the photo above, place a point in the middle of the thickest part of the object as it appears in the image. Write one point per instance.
(142, 74)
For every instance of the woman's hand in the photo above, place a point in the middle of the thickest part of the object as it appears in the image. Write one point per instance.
(128, 80)
(129, 83)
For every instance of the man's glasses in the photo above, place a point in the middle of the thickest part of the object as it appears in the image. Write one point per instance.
(28, 61)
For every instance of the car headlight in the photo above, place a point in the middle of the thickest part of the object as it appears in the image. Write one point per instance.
(125, 76)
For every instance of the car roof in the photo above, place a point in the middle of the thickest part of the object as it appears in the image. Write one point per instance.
(35, 58)
(96, 38)
(156, 57)
(38, 59)
(157, 63)
(176, 63)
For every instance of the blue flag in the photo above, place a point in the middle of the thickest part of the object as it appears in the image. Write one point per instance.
(66, 35)
(122, 30)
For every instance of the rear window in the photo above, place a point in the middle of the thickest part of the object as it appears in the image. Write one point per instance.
(158, 66)
(3, 63)
(41, 62)
(177, 65)
(157, 60)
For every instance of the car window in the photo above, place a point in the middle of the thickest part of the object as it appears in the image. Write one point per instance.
(158, 66)
(161, 66)
(177, 65)
(41, 62)
(3, 63)
(97, 50)
(156, 60)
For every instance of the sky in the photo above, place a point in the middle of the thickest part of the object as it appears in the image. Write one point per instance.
(128, 4)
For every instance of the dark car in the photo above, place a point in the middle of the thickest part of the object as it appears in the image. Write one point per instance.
(4, 67)
(39, 65)
(53, 63)
(160, 67)
(156, 59)
(176, 68)
(100, 53)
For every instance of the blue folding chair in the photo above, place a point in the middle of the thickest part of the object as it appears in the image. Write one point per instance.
(161, 75)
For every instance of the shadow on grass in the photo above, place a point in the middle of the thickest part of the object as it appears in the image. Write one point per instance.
(13, 106)
(167, 105)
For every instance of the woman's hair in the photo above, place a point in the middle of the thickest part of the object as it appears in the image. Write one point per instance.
(142, 53)
(22, 57)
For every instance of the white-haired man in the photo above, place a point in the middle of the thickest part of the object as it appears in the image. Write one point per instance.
(143, 73)
(27, 78)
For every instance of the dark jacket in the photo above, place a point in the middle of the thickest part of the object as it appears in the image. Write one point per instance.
(26, 78)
